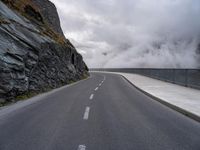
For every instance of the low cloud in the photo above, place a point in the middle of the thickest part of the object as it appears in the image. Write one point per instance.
(133, 33)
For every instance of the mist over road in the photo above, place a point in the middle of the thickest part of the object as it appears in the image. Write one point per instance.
(103, 112)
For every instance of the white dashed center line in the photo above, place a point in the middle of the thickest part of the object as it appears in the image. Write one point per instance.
(81, 147)
(104, 78)
(91, 96)
(86, 114)
(87, 111)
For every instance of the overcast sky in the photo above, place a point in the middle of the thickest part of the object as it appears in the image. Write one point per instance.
(133, 33)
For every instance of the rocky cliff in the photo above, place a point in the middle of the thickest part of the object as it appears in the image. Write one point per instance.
(34, 54)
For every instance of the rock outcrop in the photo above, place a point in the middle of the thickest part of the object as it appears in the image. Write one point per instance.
(34, 54)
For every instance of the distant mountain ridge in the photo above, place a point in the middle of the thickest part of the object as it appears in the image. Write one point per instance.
(34, 54)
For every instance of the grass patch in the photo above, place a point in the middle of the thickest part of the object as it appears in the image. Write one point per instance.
(71, 81)
(26, 96)
(20, 5)
(1, 104)
(5, 103)
(48, 31)
(85, 76)
(31, 11)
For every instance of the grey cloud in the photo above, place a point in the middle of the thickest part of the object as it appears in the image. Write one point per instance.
(133, 33)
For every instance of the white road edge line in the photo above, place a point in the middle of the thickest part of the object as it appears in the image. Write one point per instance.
(91, 96)
(81, 147)
(96, 88)
(86, 114)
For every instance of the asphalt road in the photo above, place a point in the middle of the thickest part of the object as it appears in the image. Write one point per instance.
(104, 112)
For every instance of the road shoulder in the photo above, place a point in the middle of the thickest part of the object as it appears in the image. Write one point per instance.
(182, 99)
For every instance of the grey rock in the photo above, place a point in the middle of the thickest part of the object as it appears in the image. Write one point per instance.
(31, 60)
(49, 13)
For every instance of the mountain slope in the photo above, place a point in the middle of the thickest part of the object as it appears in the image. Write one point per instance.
(34, 54)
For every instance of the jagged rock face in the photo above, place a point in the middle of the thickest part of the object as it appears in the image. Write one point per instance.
(31, 58)
(49, 13)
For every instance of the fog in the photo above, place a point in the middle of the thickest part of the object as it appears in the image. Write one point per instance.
(133, 33)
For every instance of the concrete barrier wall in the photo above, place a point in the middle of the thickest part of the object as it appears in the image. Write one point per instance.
(184, 77)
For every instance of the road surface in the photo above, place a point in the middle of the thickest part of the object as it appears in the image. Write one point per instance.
(103, 112)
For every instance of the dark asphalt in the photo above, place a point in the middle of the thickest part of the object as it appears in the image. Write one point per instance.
(120, 118)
